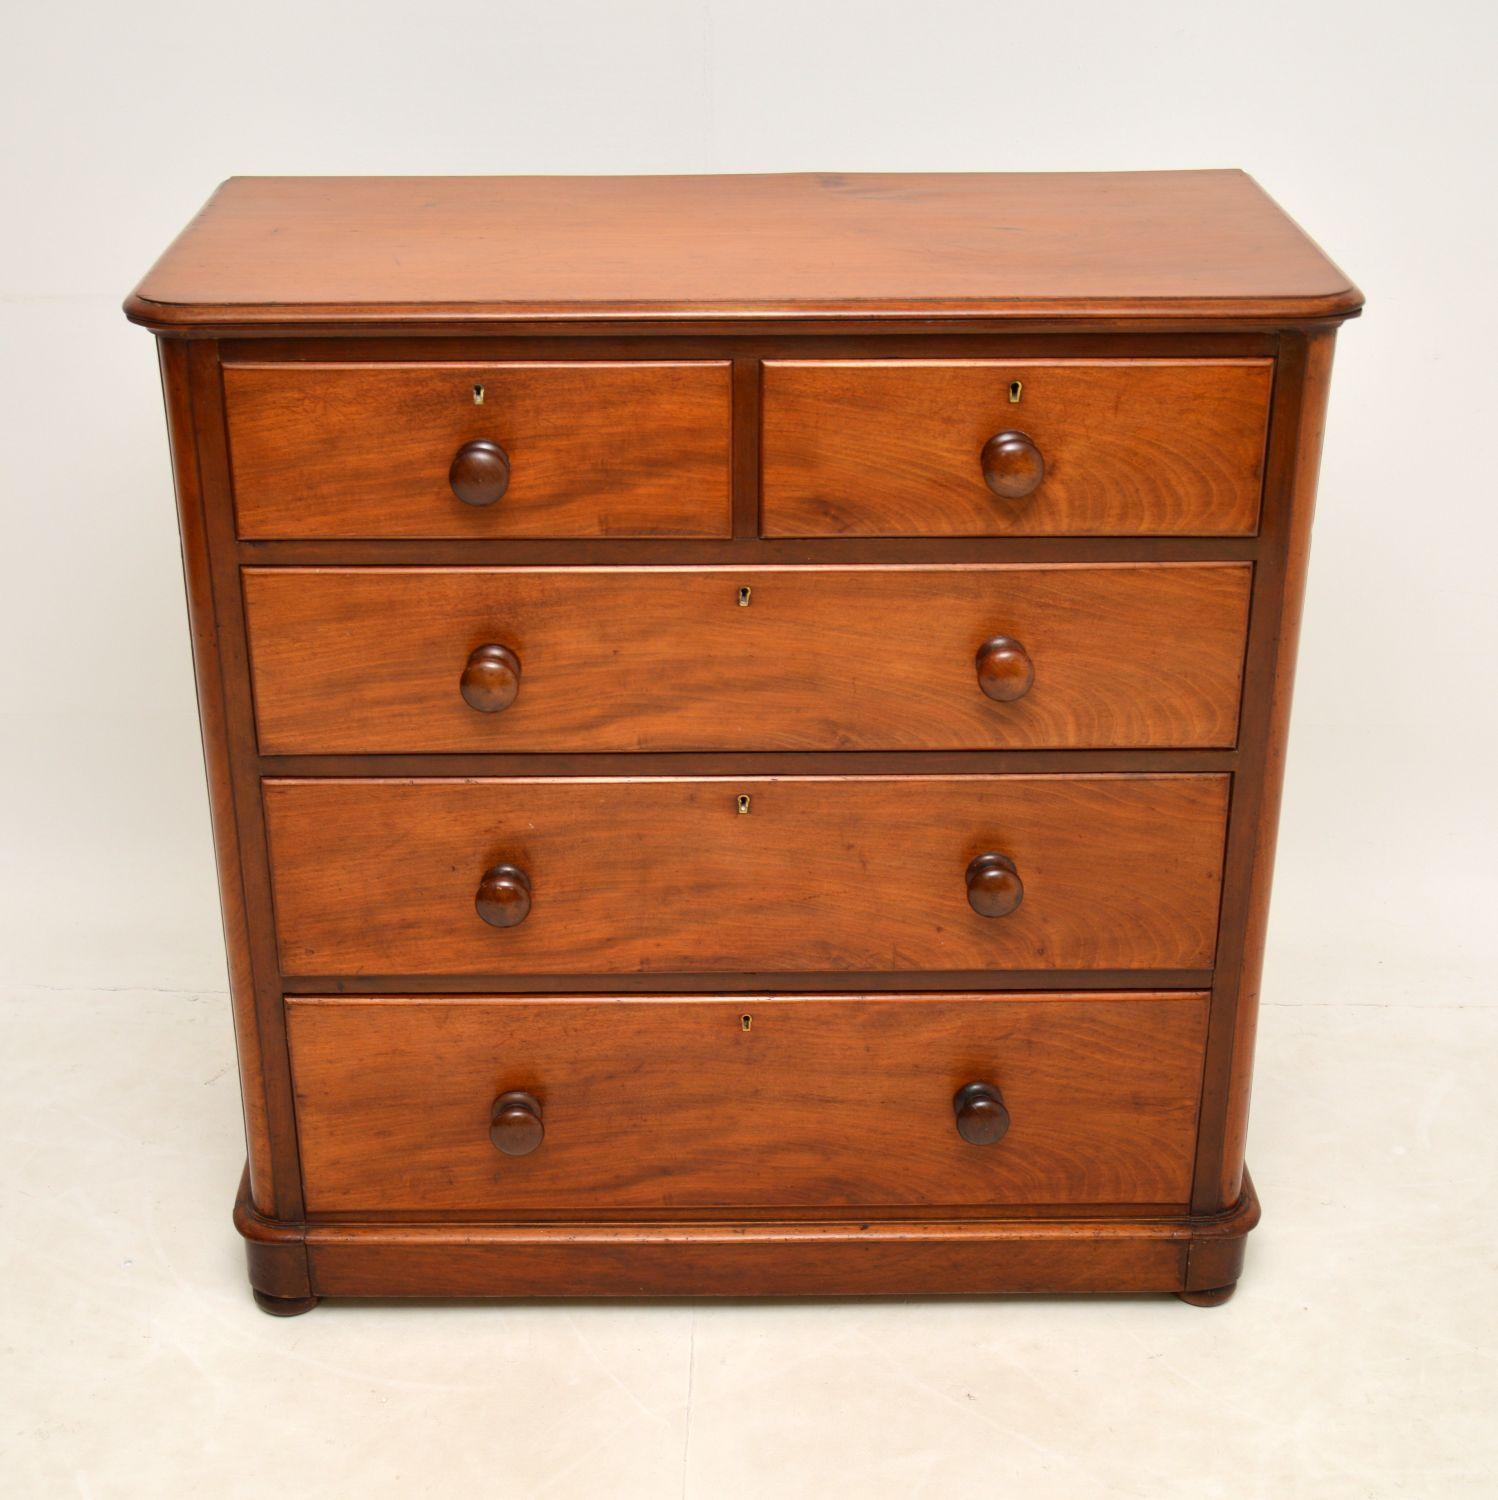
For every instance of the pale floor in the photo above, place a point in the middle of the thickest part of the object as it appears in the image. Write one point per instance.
(1358, 1358)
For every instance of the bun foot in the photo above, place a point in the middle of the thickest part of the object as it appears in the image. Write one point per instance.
(1212, 1296)
(284, 1307)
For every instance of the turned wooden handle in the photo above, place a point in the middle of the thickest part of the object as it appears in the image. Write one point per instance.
(1005, 671)
(491, 679)
(1012, 465)
(994, 888)
(515, 1124)
(480, 472)
(504, 896)
(981, 1116)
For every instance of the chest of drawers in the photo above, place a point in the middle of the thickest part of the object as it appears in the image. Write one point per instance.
(744, 719)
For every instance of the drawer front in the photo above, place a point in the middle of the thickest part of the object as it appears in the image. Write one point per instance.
(583, 449)
(366, 660)
(1100, 447)
(654, 875)
(821, 1103)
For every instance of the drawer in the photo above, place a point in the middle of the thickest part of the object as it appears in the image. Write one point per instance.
(820, 873)
(368, 660)
(1091, 447)
(636, 449)
(671, 1103)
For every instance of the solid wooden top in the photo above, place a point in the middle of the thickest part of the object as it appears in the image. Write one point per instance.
(1108, 247)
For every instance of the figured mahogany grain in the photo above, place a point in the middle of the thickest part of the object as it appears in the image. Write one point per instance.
(881, 447)
(824, 874)
(658, 1103)
(370, 660)
(448, 251)
(595, 448)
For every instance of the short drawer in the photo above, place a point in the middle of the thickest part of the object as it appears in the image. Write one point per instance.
(767, 1102)
(521, 876)
(368, 660)
(638, 449)
(1014, 448)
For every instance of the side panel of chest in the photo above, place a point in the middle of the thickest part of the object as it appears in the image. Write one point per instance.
(356, 820)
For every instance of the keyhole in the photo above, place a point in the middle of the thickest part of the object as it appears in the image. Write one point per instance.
(744, 596)
(743, 808)
(1016, 390)
(478, 395)
(745, 1022)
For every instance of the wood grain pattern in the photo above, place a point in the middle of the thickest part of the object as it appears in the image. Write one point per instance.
(638, 875)
(252, 892)
(1130, 447)
(595, 448)
(657, 1103)
(255, 1080)
(922, 1258)
(1236, 1001)
(620, 331)
(275, 1251)
(373, 660)
(456, 251)
(847, 1254)
(1217, 1248)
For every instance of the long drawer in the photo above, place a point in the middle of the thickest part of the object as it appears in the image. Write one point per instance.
(752, 874)
(363, 660)
(566, 449)
(680, 1103)
(972, 447)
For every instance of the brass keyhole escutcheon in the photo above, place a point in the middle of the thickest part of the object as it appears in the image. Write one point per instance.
(745, 1022)
(744, 594)
(478, 395)
(743, 803)
(1016, 390)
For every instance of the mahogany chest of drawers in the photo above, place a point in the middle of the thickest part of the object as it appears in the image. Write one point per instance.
(744, 719)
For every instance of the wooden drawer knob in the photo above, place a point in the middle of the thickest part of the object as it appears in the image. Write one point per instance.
(994, 888)
(491, 679)
(480, 472)
(504, 896)
(1012, 465)
(981, 1116)
(1005, 671)
(515, 1123)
